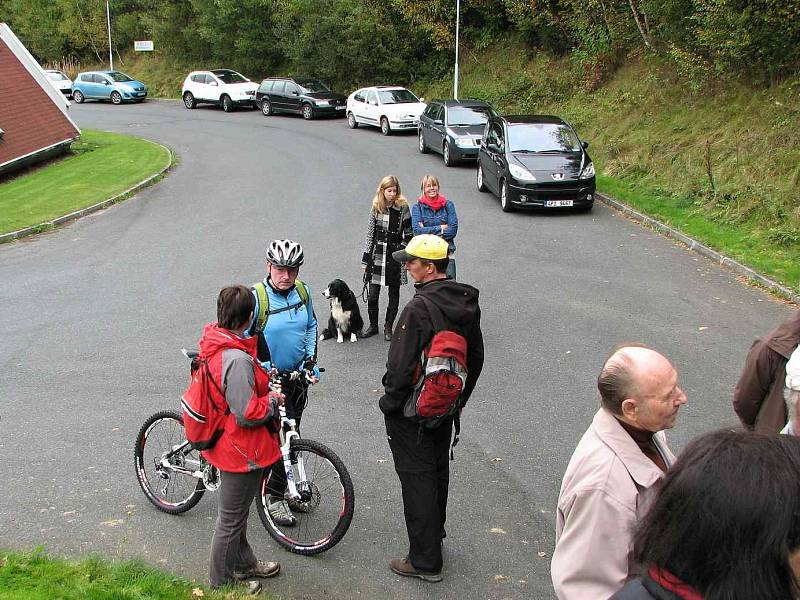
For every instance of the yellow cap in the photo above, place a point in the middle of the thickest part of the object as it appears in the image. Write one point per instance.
(425, 246)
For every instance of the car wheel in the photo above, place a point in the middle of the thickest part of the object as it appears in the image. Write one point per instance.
(351, 121)
(308, 112)
(188, 100)
(505, 202)
(227, 104)
(479, 179)
(116, 98)
(448, 158)
(77, 97)
(385, 129)
(266, 108)
(422, 145)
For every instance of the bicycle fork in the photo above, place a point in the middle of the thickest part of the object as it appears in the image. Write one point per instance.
(294, 468)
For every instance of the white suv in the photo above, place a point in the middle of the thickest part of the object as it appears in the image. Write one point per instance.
(389, 107)
(223, 87)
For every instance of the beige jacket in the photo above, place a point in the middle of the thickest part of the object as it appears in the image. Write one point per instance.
(606, 489)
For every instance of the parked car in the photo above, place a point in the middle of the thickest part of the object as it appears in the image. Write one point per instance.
(389, 107)
(107, 85)
(453, 128)
(308, 97)
(60, 80)
(535, 162)
(222, 87)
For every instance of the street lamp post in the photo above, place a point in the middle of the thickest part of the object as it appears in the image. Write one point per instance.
(455, 79)
(108, 19)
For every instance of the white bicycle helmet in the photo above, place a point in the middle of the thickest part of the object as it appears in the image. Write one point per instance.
(285, 253)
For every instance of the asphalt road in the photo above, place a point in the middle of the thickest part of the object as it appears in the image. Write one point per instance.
(92, 316)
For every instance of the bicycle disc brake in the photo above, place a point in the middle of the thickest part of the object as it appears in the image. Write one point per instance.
(211, 478)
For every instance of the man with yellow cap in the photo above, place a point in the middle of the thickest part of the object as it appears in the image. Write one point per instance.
(421, 453)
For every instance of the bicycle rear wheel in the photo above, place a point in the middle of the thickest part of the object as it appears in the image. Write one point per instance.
(164, 462)
(328, 500)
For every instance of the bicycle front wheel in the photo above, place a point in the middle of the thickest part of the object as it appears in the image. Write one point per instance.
(325, 510)
(165, 463)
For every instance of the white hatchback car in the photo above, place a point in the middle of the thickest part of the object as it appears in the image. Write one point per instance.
(389, 107)
(60, 80)
(222, 87)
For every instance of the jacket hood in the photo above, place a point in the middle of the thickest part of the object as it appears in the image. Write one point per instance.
(458, 301)
(215, 339)
(785, 337)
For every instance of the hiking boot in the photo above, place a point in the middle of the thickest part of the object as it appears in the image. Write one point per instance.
(280, 513)
(251, 588)
(261, 569)
(403, 566)
(371, 330)
(387, 333)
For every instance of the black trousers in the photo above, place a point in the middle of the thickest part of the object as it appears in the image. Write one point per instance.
(230, 550)
(296, 398)
(391, 309)
(421, 459)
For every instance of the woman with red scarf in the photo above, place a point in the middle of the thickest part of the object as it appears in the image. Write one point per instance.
(725, 524)
(433, 213)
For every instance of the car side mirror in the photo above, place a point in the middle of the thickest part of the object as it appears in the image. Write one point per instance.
(422, 99)
(214, 83)
(106, 83)
(585, 145)
(493, 147)
(295, 93)
(438, 121)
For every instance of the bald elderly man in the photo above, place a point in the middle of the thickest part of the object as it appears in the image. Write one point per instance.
(613, 473)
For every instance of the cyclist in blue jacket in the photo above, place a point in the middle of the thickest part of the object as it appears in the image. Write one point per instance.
(286, 325)
(435, 214)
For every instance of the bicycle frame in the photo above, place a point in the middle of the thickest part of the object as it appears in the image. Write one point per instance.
(287, 433)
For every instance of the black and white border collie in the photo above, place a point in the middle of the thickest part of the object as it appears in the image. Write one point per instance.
(345, 319)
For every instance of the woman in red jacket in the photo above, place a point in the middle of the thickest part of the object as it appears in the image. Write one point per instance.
(246, 446)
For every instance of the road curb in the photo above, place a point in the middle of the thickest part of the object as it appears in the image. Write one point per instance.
(47, 225)
(701, 249)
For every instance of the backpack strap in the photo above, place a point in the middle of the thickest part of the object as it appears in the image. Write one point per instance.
(260, 320)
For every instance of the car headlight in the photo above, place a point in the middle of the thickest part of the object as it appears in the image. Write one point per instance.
(463, 142)
(519, 173)
(588, 171)
(323, 103)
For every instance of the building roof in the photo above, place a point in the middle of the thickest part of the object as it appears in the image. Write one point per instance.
(33, 114)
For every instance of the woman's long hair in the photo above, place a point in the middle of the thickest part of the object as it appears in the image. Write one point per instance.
(728, 517)
(379, 202)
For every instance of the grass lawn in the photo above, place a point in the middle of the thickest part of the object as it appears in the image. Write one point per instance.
(99, 166)
(34, 576)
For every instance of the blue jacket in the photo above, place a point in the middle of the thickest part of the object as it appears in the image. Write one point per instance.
(432, 221)
(291, 335)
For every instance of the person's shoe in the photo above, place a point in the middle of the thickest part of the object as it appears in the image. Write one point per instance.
(265, 569)
(298, 506)
(280, 513)
(387, 333)
(371, 330)
(403, 566)
(252, 588)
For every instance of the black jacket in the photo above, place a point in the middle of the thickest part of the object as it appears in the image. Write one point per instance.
(414, 330)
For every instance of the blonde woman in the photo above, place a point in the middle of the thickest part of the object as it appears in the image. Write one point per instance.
(433, 213)
(389, 229)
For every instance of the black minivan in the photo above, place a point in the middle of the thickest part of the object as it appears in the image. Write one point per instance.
(535, 162)
(308, 97)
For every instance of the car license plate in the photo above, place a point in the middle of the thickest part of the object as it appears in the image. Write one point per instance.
(340, 108)
(556, 203)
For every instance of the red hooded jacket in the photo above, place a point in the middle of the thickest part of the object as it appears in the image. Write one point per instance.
(246, 443)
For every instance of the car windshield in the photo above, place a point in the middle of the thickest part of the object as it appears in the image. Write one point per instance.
(312, 85)
(542, 137)
(469, 115)
(56, 76)
(396, 96)
(117, 76)
(230, 76)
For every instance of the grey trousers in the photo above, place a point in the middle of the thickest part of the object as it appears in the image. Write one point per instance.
(230, 550)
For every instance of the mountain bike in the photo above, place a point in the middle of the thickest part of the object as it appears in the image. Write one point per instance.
(174, 477)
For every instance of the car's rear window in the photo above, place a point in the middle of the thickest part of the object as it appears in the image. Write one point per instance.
(396, 96)
(117, 76)
(230, 76)
(542, 137)
(469, 115)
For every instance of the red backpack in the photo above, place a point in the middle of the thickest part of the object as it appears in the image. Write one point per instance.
(203, 418)
(440, 376)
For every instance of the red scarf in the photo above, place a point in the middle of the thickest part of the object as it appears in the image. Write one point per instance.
(435, 203)
(670, 582)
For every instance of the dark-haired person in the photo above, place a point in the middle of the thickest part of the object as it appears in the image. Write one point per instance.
(246, 447)
(613, 473)
(724, 525)
(758, 398)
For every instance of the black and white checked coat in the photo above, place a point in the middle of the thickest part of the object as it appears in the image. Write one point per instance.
(387, 233)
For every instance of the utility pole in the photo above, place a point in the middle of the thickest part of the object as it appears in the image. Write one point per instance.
(455, 79)
(108, 19)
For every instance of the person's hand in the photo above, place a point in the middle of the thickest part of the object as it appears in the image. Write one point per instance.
(363, 267)
(444, 227)
(277, 396)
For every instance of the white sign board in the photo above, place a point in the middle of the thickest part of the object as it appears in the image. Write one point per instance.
(146, 46)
